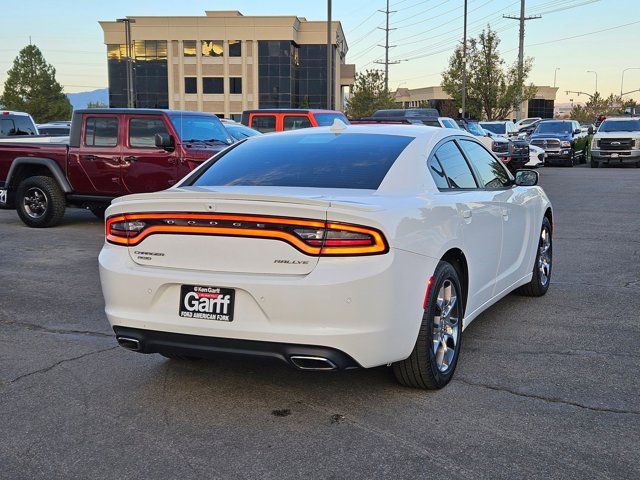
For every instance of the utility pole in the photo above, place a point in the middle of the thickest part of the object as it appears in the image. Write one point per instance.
(464, 62)
(522, 18)
(329, 57)
(386, 47)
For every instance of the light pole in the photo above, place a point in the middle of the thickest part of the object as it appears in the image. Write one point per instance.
(329, 56)
(554, 75)
(127, 35)
(596, 74)
(622, 81)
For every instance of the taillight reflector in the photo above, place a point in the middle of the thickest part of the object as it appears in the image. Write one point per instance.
(312, 237)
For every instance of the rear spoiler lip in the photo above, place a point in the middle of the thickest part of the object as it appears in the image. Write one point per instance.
(206, 195)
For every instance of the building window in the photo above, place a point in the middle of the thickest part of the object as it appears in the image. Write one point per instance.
(189, 48)
(190, 85)
(213, 85)
(212, 48)
(235, 48)
(235, 85)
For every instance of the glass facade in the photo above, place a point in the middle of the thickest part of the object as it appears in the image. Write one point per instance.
(292, 76)
(212, 48)
(540, 108)
(150, 74)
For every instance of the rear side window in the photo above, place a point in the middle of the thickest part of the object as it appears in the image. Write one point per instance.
(455, 166)
(296, 122)
(24, 125)
(264, 123)
(323, 160)
(7, 127)
(101, 132)
(326, 119)
(492, 173)
(142, 131)
(436, 171)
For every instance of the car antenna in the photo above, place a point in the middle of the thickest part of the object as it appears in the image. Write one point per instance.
(338, 126)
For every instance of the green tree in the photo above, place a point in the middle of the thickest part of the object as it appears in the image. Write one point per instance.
(492, 87)
(31, 87)
(598, 105)
(368, 94)
(97, 104)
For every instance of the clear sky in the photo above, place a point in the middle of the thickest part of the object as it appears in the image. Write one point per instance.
(426, 32)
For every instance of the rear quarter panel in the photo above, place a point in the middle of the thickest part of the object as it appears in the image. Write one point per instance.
(11, 151)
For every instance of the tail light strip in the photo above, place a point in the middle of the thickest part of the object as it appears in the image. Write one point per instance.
(311, 237)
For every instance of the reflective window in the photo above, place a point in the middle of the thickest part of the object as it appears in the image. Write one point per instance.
(455, 166)
(437, 173)
(492, 172)
(101, 132)
(235, 48)
(264, 123)
(326, 119)
(322, 160)
(189, 48)
(142, 131)
(7, 127)
(235, 85)
(212, 48)
(296, 122)
(190, 85)
(193, 128)
(213, 85)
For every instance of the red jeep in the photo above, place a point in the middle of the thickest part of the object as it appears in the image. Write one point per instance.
(278, 120)
(111, 152)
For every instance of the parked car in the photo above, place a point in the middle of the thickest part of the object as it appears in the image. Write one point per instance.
(238, 131)
(328, 248)
(514, 153)
(563, 141)
(55, 129)
(525, 132)
(278, 120)
(111, 152)
(13, 124)
(617, 141)
(537, 157)
(504, 128)
(589, 128)
(520, 124)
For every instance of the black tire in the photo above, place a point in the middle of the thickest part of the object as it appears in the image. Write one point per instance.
(99, 211)
(182, 358)
(40, 202)
(420, 369)
(538, 286)
(594, 163)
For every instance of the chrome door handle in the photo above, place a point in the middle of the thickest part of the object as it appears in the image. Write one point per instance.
(89, 157)
(130, 159)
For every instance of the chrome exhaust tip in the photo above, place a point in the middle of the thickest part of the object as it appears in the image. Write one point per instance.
(129, 343)
(304, 362)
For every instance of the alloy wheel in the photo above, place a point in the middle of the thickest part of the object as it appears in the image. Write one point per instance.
(544, 256)
(35, 203)
(446, 323)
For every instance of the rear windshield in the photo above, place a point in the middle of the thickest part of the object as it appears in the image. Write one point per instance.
(324, 160)
(326, 119)
(631, 125)
(194, 128)
(498, 128)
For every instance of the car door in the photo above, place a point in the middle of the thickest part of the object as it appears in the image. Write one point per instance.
(517, 209)
(145, 167)
(480, 222)
(94, 167)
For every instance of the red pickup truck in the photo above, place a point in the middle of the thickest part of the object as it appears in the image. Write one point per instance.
(111, 152)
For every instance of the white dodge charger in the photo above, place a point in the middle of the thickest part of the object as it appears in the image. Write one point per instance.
(328, 248)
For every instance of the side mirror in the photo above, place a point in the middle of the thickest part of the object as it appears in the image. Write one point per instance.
(590, 130)
(577, 131)
(164, 141)
(526, 178)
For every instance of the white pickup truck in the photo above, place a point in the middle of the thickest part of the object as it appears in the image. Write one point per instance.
(617, 141)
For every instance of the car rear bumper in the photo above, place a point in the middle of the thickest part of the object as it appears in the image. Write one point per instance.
(368, 308)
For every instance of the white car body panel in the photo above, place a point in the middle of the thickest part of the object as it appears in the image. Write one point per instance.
(369, 307)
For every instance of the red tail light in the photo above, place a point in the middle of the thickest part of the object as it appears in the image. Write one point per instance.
(312, 237)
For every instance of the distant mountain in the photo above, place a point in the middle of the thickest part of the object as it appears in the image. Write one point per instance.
(82, 99)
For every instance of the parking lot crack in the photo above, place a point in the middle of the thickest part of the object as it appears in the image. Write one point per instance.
(547, 399)
(60, 362)
(56, 331)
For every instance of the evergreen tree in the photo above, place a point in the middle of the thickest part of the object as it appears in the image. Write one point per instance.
(31, 87)
(369, 94)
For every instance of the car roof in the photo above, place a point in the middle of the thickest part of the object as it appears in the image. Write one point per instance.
(13, 112)
(291, 110)
(141, 111)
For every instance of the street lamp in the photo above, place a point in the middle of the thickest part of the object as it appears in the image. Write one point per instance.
(554, 75)
(622, 81)
(596, 74)
(127, 35)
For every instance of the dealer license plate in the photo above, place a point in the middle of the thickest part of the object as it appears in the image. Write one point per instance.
(207, 303)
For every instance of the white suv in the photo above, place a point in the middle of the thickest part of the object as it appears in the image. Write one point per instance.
(617, 141)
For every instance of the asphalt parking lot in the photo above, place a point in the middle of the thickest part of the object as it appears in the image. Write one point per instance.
(545, 387)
